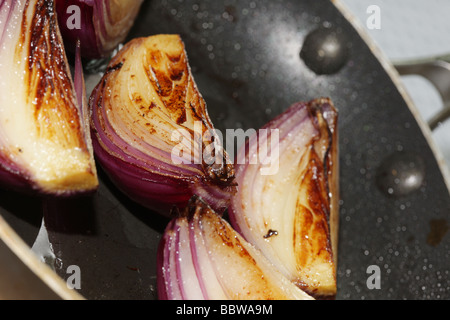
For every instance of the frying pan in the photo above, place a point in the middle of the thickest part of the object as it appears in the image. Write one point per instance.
(251, 60)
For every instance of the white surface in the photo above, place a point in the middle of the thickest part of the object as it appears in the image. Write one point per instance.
(409, 28)
(412, 29)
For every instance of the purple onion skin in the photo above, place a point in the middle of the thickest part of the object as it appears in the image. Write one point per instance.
(161, 196)
(95, 32)
(13, 179)
(86, 34)
(160, 282)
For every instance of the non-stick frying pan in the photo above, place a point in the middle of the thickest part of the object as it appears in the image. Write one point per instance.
(251, 60)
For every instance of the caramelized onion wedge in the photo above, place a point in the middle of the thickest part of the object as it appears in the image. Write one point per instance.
(201, 257)
(151, 129)
(44, 146)
(292, 214)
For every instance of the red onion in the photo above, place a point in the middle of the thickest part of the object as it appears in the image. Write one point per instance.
(44, 146)
(151, 129)
(201, 257)
(100, 25)
(291, 214)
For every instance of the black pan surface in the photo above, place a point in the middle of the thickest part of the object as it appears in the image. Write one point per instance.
(245, 57)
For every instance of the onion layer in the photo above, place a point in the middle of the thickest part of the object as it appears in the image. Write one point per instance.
(100, 25)
(43, 142)
(202, 258)
(151, 130)
(291, 214)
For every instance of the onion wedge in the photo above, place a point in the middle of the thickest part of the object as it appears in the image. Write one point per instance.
(151, 131)
(100, 25)
(44, 144)
(201, 257)
(291, 215)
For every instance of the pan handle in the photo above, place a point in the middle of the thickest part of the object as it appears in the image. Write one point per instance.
(437, 71)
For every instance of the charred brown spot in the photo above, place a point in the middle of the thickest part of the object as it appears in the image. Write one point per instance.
(50, 88)
(155, 56)
(174, 58)
(312, 234)
(163, 83)
(138, 99)
(302, 243)
(323, 115)
(229, 239)
(169, 75)
(195, 111)
(302, 285)
(318, 189)
(221, 173)
(182, 117)
(270, 234)
(177, 74)
(113, 68)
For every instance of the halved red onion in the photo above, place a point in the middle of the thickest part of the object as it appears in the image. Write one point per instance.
(291, 212)
(151, 130)
(100, 25)
(44, 146)
(201, 257)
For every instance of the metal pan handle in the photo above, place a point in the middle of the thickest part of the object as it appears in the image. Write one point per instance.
(437, 71)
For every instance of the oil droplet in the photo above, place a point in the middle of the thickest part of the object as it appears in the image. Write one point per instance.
(438, 229)
(401, 174)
